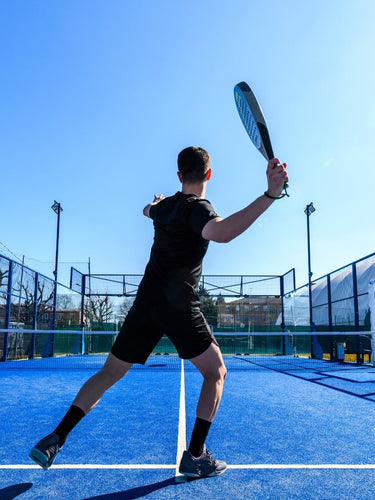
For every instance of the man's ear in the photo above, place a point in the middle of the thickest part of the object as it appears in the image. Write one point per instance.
(179, 175)
(208, 175)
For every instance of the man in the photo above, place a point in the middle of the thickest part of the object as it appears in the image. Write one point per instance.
(167, 303)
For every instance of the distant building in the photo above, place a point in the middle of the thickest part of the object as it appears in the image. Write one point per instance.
(249, 313)
(65, 318)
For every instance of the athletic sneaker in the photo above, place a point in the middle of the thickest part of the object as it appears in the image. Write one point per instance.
(44, 453)
(203, 466)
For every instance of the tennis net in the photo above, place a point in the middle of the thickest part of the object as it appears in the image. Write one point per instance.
(57, 349)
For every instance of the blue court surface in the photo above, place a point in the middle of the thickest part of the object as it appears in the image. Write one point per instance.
(285, 434)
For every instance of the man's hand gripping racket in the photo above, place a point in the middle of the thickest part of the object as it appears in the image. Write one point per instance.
(255, 125)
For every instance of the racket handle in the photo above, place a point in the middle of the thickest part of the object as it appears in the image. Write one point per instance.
(286, 185)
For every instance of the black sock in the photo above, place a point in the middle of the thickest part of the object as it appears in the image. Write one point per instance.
(198, 436)
(70, 420)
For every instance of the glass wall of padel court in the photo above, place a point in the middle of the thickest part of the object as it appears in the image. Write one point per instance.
(31, 302)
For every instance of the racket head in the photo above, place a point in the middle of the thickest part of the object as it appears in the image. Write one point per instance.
(252, 118)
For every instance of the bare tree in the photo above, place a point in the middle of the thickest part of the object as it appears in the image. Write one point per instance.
(98, 310)
(3, 277)
(24, 311)
(64, 301)
(126, 305)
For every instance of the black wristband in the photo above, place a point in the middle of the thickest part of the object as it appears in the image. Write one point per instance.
(273, 197)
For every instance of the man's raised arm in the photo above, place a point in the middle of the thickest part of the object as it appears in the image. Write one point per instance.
(225, 230)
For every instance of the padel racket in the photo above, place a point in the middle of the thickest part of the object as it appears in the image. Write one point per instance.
(253, 120)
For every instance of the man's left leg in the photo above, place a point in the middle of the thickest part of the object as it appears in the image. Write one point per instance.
(46, 450)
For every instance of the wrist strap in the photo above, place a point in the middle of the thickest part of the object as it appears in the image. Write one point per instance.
(275, 197)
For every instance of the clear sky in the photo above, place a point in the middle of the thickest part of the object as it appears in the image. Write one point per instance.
(99, 96)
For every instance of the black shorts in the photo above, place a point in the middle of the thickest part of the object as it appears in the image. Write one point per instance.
(146, 323)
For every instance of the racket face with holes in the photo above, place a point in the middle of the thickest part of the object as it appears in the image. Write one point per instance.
(252, 117)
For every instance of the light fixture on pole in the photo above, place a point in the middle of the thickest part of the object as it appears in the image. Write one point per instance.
(310, 209)
(57, 208)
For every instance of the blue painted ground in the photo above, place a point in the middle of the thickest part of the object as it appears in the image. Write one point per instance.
(136, 421)
(236, 485)
(265, 417)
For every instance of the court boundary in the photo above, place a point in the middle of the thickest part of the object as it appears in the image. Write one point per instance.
(181, 439)
(173, 466)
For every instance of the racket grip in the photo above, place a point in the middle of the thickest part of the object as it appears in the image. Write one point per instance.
(286, 185)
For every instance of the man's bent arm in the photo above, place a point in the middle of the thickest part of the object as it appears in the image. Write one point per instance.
(225, 230)
(157, 199)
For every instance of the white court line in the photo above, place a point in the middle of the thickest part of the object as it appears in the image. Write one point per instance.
(181, 439)
(303, 466)
(173, 466)
(181, 446)
(92, 466)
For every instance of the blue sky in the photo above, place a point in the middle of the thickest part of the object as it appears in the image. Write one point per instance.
(98, 98)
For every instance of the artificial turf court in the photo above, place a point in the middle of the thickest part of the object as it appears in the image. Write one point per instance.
(285, 433)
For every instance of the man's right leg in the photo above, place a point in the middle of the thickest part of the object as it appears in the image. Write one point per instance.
(197, 461)
(45, 451)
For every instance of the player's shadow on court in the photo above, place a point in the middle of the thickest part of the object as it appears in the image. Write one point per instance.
(14, 491)
(134, 493)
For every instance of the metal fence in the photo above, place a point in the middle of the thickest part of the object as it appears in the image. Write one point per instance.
(340, 300)
(27, 300)
(242, 303)
(229, 302)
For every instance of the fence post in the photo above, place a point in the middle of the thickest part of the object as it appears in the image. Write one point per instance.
(329, 300)
(8, 311)
(356, 312)
(35, 317)
(283, 349)
(82, 325)
(9, 298)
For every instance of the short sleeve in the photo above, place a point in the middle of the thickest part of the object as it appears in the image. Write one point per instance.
(201, 213)
(152, 211)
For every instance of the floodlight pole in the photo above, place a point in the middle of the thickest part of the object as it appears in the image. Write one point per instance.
(57, 208)
(308, 211)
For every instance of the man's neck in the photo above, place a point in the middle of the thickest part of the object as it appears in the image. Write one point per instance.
(198, 189)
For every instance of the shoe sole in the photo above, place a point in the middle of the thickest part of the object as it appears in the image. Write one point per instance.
(216, 473)
(212, 474)
(188, 474)
(40, 458)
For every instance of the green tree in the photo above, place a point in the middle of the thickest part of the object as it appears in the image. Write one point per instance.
(209, 306)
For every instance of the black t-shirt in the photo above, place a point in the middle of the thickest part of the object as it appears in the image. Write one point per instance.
(175, 264)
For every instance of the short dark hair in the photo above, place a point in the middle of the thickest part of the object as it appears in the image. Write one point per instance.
(193, 163)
